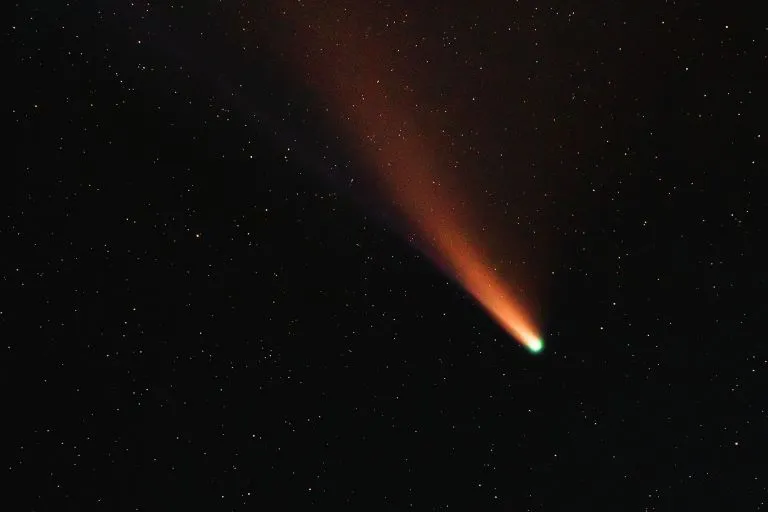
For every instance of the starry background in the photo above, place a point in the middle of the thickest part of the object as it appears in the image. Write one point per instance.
(200, 308)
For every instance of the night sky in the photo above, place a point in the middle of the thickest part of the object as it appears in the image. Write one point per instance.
(236, 240)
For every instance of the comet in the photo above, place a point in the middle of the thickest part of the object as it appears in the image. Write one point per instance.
(353, 70)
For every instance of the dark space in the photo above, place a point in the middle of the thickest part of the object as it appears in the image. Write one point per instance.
(194, 316)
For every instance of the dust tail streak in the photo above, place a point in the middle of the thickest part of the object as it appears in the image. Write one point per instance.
(356, 72)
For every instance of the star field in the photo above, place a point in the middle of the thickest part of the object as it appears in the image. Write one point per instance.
(213, 300)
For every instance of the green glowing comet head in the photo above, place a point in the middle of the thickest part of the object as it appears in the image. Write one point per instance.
(536, 346)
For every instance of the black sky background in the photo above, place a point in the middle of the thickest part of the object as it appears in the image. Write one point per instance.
(194, 317)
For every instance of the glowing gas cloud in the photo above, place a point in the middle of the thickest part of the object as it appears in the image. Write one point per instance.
(351, 66)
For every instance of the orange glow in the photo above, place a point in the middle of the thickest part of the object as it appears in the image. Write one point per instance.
(354, 70)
